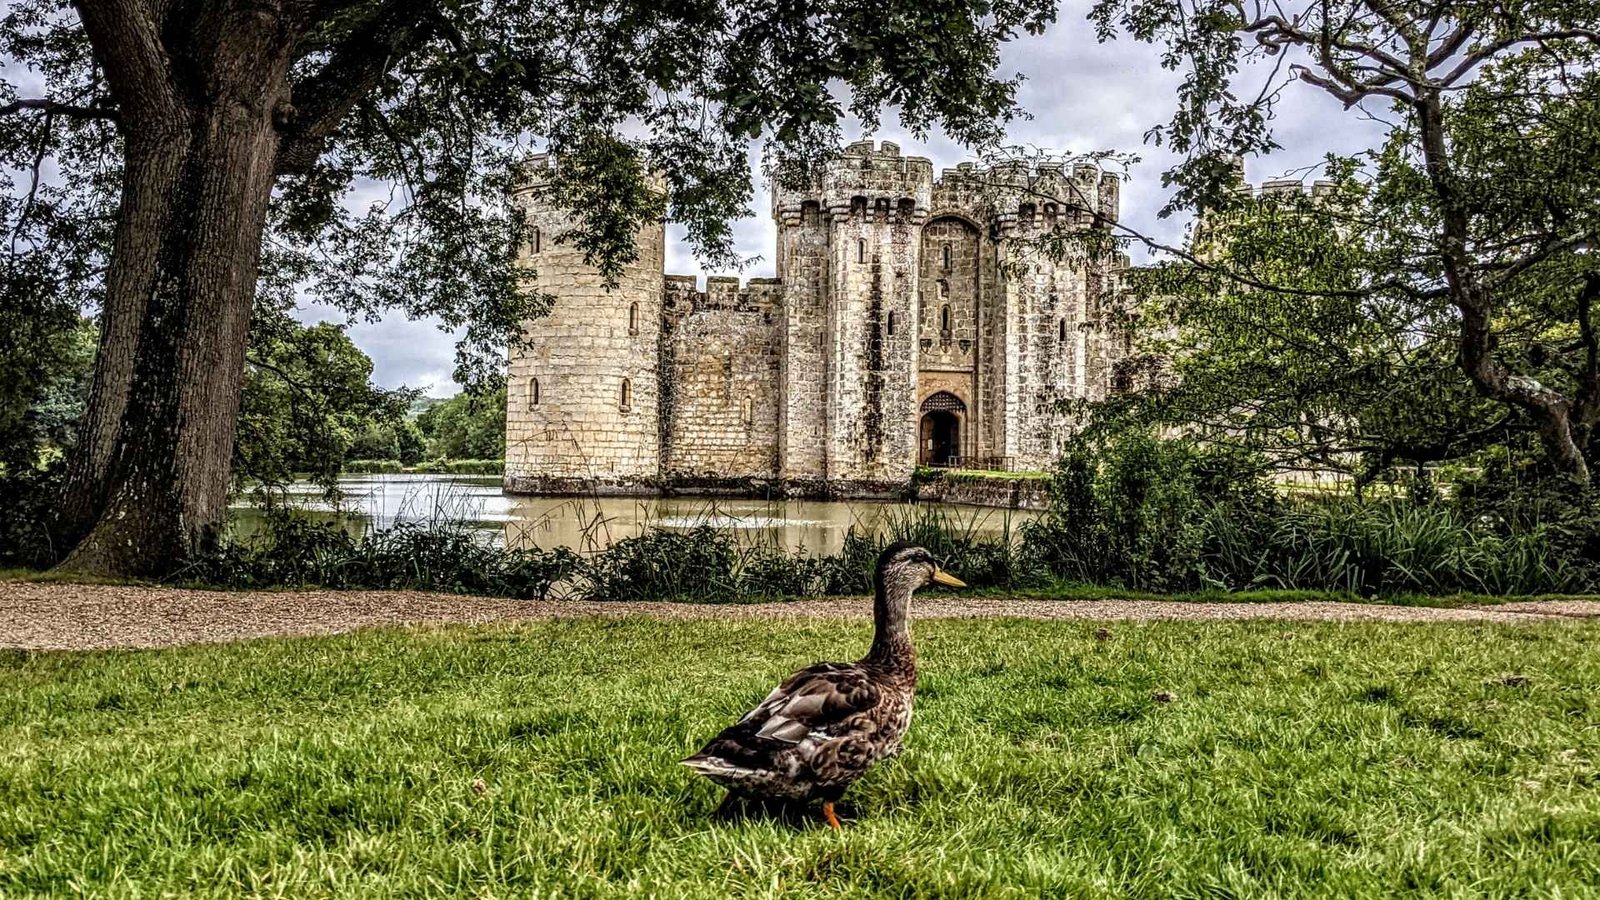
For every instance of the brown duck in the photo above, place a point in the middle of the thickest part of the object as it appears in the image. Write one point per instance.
(825, 725)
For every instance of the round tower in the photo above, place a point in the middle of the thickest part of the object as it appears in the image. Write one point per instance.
(583, 392)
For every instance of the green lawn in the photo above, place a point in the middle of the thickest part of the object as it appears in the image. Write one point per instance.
(1310, 760)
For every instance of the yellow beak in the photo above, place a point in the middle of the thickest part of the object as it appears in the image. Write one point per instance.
(940, 576)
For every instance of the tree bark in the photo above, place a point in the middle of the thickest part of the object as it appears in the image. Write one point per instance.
(165, 481)
(153, 474)
(154, 160)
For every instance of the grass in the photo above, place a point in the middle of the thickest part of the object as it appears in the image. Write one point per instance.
(1069, 591)
(1304, 760)
(929, 473)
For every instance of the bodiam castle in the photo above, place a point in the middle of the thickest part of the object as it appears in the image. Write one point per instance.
(909, 324)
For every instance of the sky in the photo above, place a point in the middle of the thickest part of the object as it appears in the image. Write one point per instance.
(1082, 96)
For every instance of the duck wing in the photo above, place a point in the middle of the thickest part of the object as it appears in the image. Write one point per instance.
(810, 705)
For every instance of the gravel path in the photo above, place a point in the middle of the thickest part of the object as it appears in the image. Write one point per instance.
(96, 617)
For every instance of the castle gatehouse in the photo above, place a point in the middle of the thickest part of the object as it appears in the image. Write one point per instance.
(911, 323)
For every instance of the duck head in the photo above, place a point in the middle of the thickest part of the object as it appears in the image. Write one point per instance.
(902, 569)
(905, 567)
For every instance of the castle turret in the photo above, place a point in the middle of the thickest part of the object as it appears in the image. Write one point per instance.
(863, 220)
(582, 400)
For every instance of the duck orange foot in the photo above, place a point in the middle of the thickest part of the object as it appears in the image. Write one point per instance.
(827, 813)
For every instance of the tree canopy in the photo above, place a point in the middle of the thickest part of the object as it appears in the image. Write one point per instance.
(309, 403)
(1440, 293)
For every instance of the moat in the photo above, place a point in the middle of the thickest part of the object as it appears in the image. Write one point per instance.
(588, 523)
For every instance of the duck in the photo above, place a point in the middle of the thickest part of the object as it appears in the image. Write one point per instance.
(827, 724)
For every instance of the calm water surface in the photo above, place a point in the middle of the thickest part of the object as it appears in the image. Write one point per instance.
(591, 523)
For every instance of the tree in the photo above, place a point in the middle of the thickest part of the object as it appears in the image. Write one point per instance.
(399, 439)
(1484, 199)
(44, 380)
(466, 426)
(1313, 373)
(307, 402)
(220, 143)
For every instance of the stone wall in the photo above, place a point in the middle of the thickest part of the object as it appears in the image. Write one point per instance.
(582, 399)
(719, 374)
(1000, 493)
(872, 202)
(804, 364)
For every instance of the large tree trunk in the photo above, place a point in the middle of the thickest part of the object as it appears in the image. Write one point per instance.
(165, 480)
(154, 160)
(151, 478)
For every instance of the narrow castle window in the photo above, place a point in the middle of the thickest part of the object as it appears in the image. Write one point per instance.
(891, 324)
(1062, 328)
(861, 250)
(947, 257)
(633, 317)
(944, 319)
(744, 411)
(627, 394)
(535, 241)
(533, 392)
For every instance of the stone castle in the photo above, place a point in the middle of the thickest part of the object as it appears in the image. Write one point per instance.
(903, 329)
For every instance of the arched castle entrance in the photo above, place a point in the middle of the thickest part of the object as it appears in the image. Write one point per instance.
(939, 441)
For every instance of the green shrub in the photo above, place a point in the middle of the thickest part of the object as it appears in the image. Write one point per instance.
(294, 550)
(374, 467)
(1126, 512)
(1159, 515)
(27, 498)
(702, 563)
(1385, 548)
(463, 467)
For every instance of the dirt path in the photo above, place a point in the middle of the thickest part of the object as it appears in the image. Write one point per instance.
(93, 617)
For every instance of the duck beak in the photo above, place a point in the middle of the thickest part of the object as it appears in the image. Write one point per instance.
(940, 576)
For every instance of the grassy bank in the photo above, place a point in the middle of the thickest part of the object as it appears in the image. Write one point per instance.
(1326, 760)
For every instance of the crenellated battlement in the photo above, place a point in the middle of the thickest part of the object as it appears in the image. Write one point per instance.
(1018, 192)
(1281, 186)
(867, 181)
(682, 294)
(532, 172)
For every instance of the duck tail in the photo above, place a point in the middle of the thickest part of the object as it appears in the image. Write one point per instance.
(714, 767)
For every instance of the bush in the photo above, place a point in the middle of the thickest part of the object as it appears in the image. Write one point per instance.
(471, 467)
(667, 565)
(1385, 548)
(26, 501)
(374, 467)
(294, 550)
(1157, 515)
(1126, 512)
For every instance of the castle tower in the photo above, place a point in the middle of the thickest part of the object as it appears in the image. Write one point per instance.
(803, 359)
(1056, 329)
(848, 260)
(583, 406)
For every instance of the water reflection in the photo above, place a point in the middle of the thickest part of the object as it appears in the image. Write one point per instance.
(591, 523)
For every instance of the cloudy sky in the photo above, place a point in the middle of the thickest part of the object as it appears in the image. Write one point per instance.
(1083, 96)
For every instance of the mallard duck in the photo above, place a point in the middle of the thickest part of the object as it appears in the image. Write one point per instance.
(825, 725)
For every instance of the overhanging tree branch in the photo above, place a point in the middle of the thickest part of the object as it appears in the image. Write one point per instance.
(57, 108)
(355, 68)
